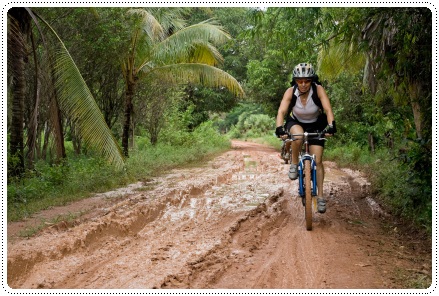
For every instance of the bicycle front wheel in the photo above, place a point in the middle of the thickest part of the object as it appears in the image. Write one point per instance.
(308, 197)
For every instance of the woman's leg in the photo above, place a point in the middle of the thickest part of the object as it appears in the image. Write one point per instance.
(318, 152)
(296, 145)
(293, 173)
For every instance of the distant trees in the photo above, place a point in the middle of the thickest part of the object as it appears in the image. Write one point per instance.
(125, 64)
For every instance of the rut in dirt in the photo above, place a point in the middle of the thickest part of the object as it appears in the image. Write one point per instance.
(174, 205)
(234, 223)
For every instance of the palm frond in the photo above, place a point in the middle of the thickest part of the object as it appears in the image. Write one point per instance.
(171, 18)
(76, 100)
(338, 58)
(206, 53)
(198, 74)
(150, 25)
(179, 46)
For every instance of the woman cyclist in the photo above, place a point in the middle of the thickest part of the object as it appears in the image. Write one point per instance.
(306, 108)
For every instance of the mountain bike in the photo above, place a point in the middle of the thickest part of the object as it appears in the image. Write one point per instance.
(307, 172)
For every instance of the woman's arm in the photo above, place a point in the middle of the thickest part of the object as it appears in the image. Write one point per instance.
(283, 108)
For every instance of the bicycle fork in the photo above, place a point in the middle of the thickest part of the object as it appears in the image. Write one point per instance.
(302, 158)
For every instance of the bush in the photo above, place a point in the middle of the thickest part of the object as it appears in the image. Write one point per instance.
(251, 125)
(233, 117)
(405, 183)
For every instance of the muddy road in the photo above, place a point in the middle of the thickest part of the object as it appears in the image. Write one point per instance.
(235, 222)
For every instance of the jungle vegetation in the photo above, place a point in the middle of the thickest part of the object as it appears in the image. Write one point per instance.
(100, 97)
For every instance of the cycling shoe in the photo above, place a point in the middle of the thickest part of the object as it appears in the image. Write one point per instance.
(292, 174)
(321, 205)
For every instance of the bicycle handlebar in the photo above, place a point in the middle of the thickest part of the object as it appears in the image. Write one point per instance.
(314, 135)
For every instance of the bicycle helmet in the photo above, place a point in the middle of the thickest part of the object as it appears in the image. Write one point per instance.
(303, 70)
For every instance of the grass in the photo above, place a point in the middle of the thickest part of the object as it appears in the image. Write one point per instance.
(412, 279)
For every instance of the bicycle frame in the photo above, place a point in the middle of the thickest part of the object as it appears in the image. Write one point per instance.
(305, 155)
(302, 157)
(307, 175)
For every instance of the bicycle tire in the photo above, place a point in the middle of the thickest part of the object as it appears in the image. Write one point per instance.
(308, 197)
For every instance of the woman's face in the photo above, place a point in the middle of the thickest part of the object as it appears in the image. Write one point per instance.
(304, 84)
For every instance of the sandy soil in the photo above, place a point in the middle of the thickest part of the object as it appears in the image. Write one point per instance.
(236, 222)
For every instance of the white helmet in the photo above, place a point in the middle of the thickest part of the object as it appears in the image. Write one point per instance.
(303, 70)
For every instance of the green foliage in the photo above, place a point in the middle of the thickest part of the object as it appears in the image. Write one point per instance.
(401, 182)
(408, 195)
(253, 125)
(281, 38)
(348, 154)
(232, 117)
(247, 120)
(175, 149)
(266, 82)
(204, 101)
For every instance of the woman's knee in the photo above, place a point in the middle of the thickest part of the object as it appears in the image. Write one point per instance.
(318, 153)
(297, 129)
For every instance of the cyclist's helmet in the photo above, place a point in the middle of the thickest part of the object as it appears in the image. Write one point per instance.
(303, 70)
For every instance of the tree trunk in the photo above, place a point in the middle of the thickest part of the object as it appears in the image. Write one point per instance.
(57, 130)
(45, 141)
(57, 125)
(76, 139)
(414, 93)
(132, 128)
(129, 94)
(17, 31)
(369, 75)
(417, 116)
(371, 143)
(32, 131)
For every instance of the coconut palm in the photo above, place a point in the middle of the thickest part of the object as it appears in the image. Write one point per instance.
(18, 31)
(339, 58)
(70, 95)
(165, 50)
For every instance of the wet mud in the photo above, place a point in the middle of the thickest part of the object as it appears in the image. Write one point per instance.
(234, 223)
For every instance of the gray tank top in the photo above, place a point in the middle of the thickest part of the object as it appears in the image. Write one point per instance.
(308, 113)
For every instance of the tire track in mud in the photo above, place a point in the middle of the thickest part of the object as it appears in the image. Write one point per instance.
(123, 220)
(82, 249)
(234, 223)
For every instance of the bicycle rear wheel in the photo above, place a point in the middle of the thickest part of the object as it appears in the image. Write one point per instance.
(308, 197)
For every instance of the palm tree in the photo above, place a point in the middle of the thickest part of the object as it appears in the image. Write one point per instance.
(70, 94)
(163, 49)
(18, 32)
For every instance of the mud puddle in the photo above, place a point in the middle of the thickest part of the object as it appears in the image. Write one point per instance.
(234, 223)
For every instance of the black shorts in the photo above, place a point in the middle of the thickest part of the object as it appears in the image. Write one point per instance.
(313, 127)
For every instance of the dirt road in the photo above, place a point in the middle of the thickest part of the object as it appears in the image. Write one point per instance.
(234, 223)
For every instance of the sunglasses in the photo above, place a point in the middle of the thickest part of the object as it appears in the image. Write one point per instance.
(303, 81)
